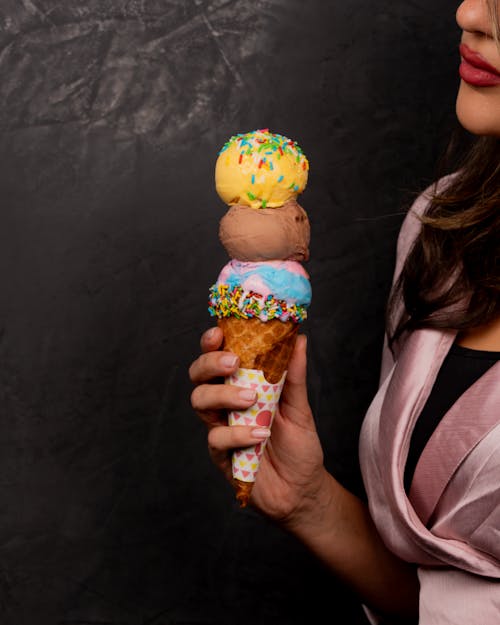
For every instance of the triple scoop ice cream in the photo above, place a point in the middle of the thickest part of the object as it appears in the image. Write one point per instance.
(262, 294)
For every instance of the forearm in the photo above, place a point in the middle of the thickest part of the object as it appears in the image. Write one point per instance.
(338, 528)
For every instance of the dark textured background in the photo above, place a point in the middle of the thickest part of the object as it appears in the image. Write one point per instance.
(112, 114)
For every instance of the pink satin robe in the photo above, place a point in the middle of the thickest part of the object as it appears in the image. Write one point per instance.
(450, 522)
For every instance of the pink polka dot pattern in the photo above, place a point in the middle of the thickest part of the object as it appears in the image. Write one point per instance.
(246, 461)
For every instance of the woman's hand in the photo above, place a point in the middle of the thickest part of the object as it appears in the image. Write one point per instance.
(291, 474)
(293, 487)
(211, 399)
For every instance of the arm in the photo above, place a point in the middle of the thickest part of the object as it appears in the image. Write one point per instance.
(338, 529)
(294, 489)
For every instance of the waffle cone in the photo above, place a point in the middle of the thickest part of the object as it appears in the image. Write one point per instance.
(263, 345)
(243, 491)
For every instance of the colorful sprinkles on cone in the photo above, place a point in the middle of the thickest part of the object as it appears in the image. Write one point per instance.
(226, 301)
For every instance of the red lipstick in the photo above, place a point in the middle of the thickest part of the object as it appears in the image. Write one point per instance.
(475, 70)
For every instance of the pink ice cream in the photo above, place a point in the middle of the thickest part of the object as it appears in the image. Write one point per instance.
(274, 289)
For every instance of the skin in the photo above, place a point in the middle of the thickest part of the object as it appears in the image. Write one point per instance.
(477, 107)
(478, 111)
(293, 487)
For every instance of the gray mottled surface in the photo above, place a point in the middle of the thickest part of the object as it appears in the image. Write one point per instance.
(112, 113)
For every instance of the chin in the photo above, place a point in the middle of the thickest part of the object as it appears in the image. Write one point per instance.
(478, 110)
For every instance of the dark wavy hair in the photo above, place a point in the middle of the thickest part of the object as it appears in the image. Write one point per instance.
(451, 277)
(495, 19)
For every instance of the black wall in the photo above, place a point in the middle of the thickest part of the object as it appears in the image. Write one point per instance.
(112, 114)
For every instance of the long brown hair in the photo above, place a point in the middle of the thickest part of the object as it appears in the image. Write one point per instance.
(495, 19)
(451, 277)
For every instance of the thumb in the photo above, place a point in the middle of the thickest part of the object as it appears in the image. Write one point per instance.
(294, 401)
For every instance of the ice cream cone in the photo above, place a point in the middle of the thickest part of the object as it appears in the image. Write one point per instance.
(263, 345)
(261, 295)
(264, 349)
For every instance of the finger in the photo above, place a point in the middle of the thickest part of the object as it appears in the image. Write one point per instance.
(213, 365)
(209, 397)
(294, 397)
(297, 367)
(224, 438)
(211, 339)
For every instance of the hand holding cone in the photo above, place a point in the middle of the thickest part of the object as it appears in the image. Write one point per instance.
(264, 349)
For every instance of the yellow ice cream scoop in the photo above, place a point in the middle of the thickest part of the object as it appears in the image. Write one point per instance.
(260, 169)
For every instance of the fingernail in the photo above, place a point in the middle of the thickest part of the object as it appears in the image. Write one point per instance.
(247, 394)
(261, 433)
(229, 360)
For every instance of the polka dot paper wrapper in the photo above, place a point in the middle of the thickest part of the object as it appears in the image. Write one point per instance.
(246, 461)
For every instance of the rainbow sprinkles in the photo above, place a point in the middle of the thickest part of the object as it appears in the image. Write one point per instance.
(270, 168)
(227, 301)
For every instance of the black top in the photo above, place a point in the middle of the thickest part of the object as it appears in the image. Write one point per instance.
(460, 369)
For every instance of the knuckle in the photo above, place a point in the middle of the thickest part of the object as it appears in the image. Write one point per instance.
(193, 370)
(214, 438)
(211, 339)
(197, 399)
(206, 339)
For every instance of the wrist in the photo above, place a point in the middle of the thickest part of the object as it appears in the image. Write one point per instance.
(313, 513)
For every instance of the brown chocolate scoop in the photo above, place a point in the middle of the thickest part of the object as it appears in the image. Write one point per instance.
(259, 234)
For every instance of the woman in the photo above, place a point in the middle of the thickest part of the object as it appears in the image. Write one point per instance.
(426, 549)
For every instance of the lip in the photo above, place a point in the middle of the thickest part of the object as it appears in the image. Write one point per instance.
(475, 70)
